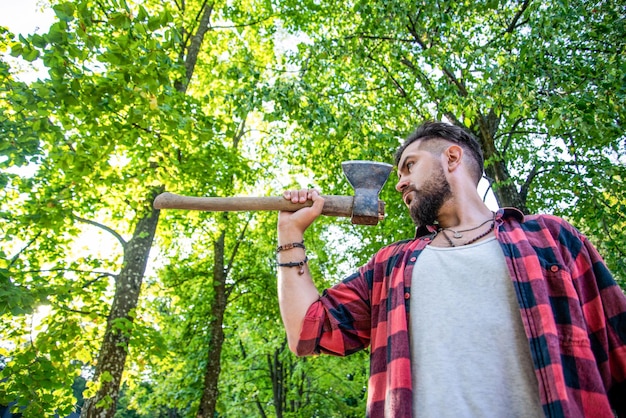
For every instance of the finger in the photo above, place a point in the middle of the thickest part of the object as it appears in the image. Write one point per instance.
(301, 195)
(296, 196)
(292, 195)
(305, 194)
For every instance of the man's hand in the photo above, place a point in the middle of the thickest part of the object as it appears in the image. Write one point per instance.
(291, 225)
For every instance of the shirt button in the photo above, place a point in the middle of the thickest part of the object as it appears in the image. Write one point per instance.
(413, 259)
(407, 295)
(554, 268)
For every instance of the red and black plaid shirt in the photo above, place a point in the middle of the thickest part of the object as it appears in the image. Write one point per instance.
(573, 312)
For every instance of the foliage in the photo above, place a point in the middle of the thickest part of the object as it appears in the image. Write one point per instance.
(136, 102)
(540, 84)
(103, 137)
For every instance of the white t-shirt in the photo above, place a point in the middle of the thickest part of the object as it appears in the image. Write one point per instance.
(469, 353)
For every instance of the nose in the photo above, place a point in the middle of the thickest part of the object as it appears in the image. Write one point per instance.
(402, 184)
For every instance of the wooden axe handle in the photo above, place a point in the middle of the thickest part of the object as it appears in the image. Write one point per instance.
(333, 205)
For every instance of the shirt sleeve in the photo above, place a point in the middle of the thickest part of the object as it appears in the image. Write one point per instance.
(603, 306)
(606, 318)
(339, 322)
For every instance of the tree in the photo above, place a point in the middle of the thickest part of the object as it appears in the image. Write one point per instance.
(137, 118)
(539, 84)
(104, 136)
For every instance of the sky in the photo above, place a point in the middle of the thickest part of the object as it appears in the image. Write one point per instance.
(25, 16)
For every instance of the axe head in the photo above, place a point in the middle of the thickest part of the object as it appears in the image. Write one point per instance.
(367, 178)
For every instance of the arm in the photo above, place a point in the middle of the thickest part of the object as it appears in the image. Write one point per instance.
(296, 292)
(613, 305)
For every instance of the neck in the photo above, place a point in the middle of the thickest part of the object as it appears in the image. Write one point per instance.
(463, 215)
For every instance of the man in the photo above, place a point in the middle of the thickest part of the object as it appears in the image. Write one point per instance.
(480, 315)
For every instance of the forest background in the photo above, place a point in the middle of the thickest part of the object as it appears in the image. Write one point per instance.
(111, 308)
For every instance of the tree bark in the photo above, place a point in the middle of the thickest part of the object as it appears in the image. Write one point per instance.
(204, 24)
(278, 379)
(114, 348)
(505, 191)
(208, 401)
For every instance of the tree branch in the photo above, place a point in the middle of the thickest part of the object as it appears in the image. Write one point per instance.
(378, 38)
(458, 83)
(243, 25)
(65, 308)
(390, 75)
(103, 227)
(526, 186)
(413, 31)
(196, 42)
(101, 273)
(517, 17)
(490, 181)
(514, 22)
(90, 282)
(534, 172)
(241, 131)
(449, 74)
(231, 261)
(31, 242)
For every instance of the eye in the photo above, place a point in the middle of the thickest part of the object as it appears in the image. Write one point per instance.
(409, 165)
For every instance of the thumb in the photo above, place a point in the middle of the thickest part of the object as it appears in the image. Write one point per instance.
(318, 203)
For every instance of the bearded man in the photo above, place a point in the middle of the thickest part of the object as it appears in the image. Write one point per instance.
(480, 314)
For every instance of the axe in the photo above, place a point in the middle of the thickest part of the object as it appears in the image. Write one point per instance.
(364, 208)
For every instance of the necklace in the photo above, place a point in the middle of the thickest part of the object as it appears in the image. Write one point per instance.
(458, 234)
(476, 238)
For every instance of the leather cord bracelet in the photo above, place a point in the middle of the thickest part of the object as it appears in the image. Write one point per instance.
(289, 246)
(295, 264)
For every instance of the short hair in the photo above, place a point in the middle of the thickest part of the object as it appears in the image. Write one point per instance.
(440, 130)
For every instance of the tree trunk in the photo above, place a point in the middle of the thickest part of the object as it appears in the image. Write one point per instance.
(213, 368)
(114, 349)
(281, 375)
(278, 377)
(505, 191)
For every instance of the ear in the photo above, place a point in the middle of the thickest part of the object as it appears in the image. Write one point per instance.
(453, 155)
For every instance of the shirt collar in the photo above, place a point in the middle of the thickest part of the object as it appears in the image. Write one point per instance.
(430, 231)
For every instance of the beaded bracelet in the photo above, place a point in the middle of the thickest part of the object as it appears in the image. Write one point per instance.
(285, 247)
(295, 264)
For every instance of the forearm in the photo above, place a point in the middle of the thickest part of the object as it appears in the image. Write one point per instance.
(296, 292)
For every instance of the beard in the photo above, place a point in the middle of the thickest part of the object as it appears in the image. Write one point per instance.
(428, 201)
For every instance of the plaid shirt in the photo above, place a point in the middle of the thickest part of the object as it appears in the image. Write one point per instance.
(573, 312)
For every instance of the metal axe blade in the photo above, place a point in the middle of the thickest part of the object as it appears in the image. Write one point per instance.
(367, 178)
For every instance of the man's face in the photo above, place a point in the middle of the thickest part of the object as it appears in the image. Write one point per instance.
(423, 183)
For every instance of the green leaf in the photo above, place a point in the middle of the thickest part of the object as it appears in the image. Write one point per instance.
(120, 20)
(64, 11)
(16, 49)
(106, 377)
(30, 54)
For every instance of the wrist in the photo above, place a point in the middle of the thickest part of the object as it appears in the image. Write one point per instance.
(289, 236)
(290, 245)
(294, 254)
(299, 264)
